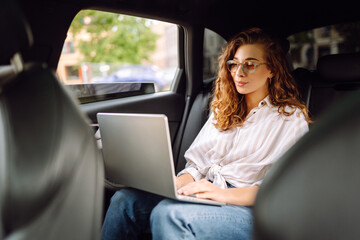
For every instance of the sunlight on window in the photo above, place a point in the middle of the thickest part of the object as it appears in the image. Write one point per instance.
(104, 47)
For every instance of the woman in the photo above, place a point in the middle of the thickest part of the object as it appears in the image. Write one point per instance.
(256, 116)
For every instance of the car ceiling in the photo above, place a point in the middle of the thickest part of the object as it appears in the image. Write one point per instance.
(226, 17)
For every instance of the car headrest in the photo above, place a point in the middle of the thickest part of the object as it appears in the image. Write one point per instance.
(16, 35)
(339, 68)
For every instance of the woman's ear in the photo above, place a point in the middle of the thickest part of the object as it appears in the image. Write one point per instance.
(271, 72)
(271, 75)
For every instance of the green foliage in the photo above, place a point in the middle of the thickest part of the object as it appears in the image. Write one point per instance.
(113, 37)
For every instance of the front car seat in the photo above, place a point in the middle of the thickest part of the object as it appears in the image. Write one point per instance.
(312, 192)
(51, 172)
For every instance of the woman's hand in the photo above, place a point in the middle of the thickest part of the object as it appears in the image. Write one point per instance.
(206, 190)
(203, 189)
(183, 180)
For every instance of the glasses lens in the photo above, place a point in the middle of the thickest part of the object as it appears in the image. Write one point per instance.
(232, 66)
(249, 67)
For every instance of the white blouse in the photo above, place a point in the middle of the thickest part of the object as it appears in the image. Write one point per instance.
(242, 155)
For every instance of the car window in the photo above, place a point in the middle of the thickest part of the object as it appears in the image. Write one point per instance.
(106, 55)
(306, 47)
(213, 44)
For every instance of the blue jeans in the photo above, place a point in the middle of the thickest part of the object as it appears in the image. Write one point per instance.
(133, 213)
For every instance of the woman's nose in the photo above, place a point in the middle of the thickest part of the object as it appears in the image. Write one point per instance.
(240, 71)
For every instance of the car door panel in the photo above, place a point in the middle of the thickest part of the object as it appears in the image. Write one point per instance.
(169, 103)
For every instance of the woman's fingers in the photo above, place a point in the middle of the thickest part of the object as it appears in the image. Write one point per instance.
(189, 189)
(205, 195)
(196, 187)
(203, 189)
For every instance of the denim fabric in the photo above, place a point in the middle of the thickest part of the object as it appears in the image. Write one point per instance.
(133, 213)
(128, 214)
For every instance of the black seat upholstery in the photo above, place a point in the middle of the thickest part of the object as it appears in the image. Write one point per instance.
(198, 115)
(303, 78)
(51, 173)
(336, 76)
(311, 192)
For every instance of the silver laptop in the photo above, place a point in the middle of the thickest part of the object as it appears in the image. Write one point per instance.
(137, 153)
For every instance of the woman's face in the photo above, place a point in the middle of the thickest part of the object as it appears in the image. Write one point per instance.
(253, 82)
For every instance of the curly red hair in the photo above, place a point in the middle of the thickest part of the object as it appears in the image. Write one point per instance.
(229, 107)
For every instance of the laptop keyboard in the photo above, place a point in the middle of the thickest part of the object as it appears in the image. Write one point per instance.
(199, 200)
(191, 198)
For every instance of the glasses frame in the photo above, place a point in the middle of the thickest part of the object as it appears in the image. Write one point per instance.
(242, 66)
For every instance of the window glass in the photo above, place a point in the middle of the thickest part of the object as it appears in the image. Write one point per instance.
(213, 44)
(306, 47)
(105, 49)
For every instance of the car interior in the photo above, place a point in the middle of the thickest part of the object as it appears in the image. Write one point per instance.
(52, 178)
(45, 176)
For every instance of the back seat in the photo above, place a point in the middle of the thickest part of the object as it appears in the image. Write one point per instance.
(198, 115)
(336, 76)
(303, 78)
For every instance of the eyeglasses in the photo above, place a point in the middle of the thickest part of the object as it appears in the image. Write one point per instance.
(247, 67)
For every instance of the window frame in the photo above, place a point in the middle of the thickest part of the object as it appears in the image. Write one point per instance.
(177, 84)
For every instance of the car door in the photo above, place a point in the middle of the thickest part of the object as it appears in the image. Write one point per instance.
(117, 81)
(183, 58)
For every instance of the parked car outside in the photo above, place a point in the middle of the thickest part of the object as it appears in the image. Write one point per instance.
(137, 74)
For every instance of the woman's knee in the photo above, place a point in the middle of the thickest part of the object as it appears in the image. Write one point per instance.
(161, 209)
(166, 211)
(123, 197)
(132, 201)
